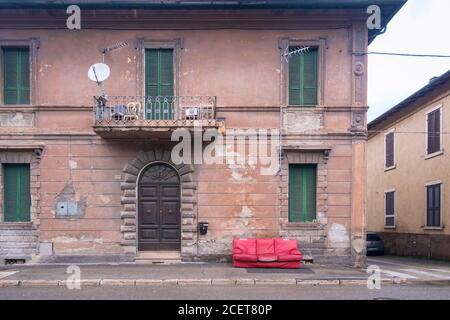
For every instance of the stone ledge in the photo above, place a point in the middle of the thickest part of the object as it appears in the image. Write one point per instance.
(204, 282)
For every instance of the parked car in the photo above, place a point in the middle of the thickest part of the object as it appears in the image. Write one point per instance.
(375, 245)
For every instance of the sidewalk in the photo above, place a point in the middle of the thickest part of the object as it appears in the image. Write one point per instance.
(184, 274)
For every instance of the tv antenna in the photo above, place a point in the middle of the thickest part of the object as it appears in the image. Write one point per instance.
(113, 47)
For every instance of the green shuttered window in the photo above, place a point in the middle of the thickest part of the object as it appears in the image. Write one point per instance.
(17, 197)
(159, 81)
(302, 192)
(16, 75)
(303, 78)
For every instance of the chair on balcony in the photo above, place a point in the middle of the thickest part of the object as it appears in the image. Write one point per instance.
(133, 111)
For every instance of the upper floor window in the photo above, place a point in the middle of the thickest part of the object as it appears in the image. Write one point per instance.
(434, 134)
(302, 192)
(434, 205)
(303, 82)
(16, 76)
(389, 150)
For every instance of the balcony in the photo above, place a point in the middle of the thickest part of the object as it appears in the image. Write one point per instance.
(126, 116)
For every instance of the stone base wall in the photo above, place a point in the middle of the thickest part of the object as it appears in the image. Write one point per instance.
(425, 246)
(98, 177)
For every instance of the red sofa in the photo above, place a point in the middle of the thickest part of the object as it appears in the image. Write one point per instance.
(266, 253)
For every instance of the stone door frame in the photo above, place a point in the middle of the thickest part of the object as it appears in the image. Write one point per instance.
(188, 202)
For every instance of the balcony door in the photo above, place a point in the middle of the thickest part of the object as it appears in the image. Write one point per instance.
(159, 84)
(159, 209)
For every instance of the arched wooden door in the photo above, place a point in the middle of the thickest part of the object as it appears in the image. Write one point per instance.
(159, 225)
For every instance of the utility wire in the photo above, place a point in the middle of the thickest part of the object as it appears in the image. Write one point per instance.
(408, 132)
(402, 54)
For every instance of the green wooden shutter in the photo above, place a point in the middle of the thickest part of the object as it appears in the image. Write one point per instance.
(166, 72)
(10, 192)
(295, 192)
(294, 80)
(159, 82)
(16, 67)
(309, 76)
(151, 73)
(302, 192)
(303, 78)
(24, 92)
(17, 197)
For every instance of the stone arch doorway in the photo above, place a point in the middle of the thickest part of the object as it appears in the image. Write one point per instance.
(159, 218)
(188, 202)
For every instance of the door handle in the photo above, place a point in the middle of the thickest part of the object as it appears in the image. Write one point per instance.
(149, 211)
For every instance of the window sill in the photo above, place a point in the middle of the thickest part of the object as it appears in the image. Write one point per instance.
(434, 154)
(301, 225)
(12, 223)
(15, 107)
(433, 228)
(390, 168)
(390, 227)
(291, 106)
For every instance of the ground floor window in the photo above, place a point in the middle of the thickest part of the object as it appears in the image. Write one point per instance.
(434, 205)
(390, 209)
(17, 196)
(302, 192)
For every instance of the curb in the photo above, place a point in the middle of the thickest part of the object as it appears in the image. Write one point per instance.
(198, 282)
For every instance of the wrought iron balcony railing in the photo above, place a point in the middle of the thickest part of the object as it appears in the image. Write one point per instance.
(164, 111)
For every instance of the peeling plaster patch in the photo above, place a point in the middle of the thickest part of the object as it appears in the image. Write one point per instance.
(73, 164)
(128, 75)
(238, 170)
(322, 218)
(105, 199)
(358, 245)
(17, 120)
(46, 66)
(245, 215)
(303, 121)
(246, 212)
(68, 204)
(338, 233)
(83, 238)
(236, 175)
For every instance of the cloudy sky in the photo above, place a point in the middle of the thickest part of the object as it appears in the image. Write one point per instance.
(421, 26)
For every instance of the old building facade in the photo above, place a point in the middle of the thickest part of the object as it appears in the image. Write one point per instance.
(96, 179)
(408, 174)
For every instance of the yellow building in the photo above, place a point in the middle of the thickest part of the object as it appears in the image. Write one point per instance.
(408, 174)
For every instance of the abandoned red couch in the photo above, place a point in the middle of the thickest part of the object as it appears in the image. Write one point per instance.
(266, 253)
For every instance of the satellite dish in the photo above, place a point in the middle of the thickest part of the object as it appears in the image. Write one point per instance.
(98, 72)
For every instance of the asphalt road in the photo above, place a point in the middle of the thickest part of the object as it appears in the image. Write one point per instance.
(403, 292)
